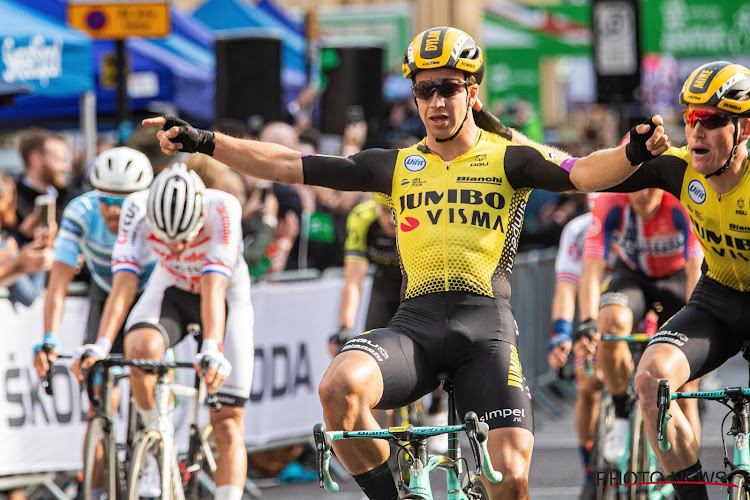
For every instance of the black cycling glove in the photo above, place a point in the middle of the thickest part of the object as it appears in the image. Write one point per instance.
(636, 150)
(340, 337)
(193, 140)
(587, 328)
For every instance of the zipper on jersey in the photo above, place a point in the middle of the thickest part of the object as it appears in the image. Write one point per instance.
(445, 225)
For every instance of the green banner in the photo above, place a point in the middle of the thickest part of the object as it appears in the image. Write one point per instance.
(696, 28)
(388, 26)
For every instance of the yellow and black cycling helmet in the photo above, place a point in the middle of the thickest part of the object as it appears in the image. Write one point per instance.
(443, 47)
(720, 84)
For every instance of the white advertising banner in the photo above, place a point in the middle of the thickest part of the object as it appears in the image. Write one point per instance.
(292, 323)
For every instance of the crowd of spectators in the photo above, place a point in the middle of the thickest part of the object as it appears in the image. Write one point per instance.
(285, 227)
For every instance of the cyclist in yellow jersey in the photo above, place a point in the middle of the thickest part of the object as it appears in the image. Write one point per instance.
(458, 199)
(711, 177)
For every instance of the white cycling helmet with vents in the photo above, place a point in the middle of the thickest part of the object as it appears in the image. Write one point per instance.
(121, 170)
(176, 204)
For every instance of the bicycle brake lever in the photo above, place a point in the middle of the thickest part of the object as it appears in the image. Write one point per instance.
(47, 380)
(663, 416)
(323, 457)
(211, 399)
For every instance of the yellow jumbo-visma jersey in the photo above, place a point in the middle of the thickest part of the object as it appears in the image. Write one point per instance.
(458, 222)
(721, 223)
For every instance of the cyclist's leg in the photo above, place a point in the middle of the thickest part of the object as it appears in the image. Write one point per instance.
(695, 341)
(350, 388)
(228, 423)
(506, 408)
(586, 412)
(489, 380)
(153, 325)
(231, 463)
(622, 304)
(384, 368)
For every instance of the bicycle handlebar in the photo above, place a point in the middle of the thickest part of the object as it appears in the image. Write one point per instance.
(478, 433)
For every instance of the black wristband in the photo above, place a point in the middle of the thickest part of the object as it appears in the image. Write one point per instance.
(636, 150)
(491, 123)
(193, 140)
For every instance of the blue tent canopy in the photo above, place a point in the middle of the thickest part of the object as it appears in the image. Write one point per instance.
(38, 52)
(234, 15)
(178, 69)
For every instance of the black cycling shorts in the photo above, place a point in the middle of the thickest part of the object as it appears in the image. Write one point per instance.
(469, 338)
(711, 328)
(640, 293)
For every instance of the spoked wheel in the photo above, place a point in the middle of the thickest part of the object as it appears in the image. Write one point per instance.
(739, 488)
(639, 461)
(100, 458)
(145, 480)
(599, 466)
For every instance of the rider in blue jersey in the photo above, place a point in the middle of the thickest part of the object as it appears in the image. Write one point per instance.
(89, 228)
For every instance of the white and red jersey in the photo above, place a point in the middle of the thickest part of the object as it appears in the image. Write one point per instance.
(570, 252)
(657, 247)
(216, 249)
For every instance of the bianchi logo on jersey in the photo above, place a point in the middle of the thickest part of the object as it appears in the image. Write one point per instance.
(415, 163)
(484, 180)
(697, 191)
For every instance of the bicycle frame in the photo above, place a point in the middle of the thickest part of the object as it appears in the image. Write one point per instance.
(420, 464)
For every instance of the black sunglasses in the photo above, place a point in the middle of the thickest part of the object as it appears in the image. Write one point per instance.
(446, 87)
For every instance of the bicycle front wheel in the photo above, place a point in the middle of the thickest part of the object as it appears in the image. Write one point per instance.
(147, 475)
(603, 470)
(101, 468)
(639, 461)
(203, 462)
(477, 490)
(739, 489)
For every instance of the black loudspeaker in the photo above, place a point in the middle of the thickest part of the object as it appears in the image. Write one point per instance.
(248, 77)
(354, 88)
(617, 50)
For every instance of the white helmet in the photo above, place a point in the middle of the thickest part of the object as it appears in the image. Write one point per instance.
(177, 204)
(122, 170)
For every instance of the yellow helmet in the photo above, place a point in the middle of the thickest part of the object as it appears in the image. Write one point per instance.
(443, 47)
(720, 84)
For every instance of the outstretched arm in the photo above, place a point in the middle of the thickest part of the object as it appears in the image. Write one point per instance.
(268, 161)
(609, 167)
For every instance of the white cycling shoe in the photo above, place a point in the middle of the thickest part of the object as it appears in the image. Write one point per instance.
(150, 484)
(616, 440)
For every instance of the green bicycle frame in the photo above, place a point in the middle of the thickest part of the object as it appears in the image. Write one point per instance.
(420, 472)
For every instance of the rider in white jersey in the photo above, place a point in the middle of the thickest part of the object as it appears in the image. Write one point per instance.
(201, 277)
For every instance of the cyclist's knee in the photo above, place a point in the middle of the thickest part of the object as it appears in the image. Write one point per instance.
(144, 343)
(515, 484)
(350, 377)
(615, 319)
(228, 429)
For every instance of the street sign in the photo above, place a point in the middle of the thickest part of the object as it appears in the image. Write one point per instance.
(119, 19)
